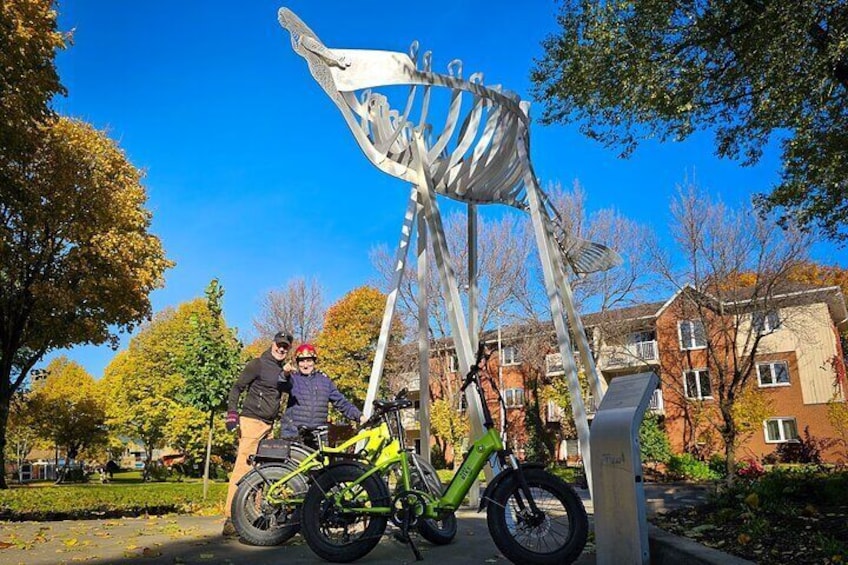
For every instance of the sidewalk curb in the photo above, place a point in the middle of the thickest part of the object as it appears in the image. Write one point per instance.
(669, 549)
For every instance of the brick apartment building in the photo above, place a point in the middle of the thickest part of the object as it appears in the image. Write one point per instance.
(797, 366)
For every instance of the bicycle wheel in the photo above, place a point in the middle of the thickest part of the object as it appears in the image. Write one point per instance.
(339, 534)
(259, 522)
(556, 535)
(439, 532)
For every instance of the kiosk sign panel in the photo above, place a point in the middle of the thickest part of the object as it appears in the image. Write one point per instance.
(621, 529)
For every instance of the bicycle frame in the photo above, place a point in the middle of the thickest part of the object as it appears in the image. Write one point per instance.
(461, 483)
(379, 447)
(481, 451)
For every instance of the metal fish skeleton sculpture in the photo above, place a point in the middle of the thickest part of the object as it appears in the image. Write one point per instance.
(479, 157)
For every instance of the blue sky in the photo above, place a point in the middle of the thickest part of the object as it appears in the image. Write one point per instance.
(252, 175)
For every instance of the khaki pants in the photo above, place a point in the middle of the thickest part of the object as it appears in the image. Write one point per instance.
(250, 432)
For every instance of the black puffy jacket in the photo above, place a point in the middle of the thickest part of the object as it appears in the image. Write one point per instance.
(261, 378)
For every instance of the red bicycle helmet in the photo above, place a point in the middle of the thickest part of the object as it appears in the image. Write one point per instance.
(306, 351)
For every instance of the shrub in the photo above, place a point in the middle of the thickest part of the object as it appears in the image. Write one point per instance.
(805, 451)
(718, 465)
(750, 468)
(653, 441)
(437, 457)
(158, 473)
(685, 466)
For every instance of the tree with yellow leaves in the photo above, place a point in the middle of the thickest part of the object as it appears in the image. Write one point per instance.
(450, 427)
(69, 411)
(77, 259)
(348, 342)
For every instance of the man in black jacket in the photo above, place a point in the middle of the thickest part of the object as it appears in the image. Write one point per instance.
(261, 382)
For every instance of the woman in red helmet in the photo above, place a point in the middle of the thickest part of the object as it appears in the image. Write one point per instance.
(310, 392)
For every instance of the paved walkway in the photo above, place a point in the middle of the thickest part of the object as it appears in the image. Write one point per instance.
(196, 540)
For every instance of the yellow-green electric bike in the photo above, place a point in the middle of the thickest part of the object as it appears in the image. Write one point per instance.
(266, 507)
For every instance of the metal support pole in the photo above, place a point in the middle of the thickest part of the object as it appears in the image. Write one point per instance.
(550, 271)
(459, 329)
(597, 384)
(423, 334)
(391, 301)
(501, 407)
(473, 316)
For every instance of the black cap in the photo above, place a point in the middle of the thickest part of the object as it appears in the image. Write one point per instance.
(283, 338)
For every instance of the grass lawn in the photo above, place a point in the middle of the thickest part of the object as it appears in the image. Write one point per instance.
(126, 495)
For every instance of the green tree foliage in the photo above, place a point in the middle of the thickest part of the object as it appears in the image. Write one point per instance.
(348, 341)
(747, 70)
(209, 360)
(77, 260)
(68, 410)
(143, 382)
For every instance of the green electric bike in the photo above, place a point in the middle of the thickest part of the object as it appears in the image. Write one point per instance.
(533, 516)
(266, 506)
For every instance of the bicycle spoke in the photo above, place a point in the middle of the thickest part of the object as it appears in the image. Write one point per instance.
(543, 535)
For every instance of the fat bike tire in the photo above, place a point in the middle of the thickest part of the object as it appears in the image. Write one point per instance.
(438, 532)
(343, 537)
(255, 521)
(557, 537)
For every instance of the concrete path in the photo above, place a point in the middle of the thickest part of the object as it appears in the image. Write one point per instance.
(176, 539)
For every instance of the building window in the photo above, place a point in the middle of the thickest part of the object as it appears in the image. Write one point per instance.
(509, 356)
(692, 334)
(773, 374)
(514, 397)
(453, 364)
(696, 384)
(781, 430)
(765, 322)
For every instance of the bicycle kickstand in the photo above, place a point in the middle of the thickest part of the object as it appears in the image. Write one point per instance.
(404, 536)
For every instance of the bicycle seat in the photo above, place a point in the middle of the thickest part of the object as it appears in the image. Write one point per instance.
(391, 405)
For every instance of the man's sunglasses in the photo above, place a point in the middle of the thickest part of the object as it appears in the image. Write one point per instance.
(282, 346)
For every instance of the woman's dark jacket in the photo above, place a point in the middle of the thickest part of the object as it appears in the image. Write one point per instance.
(309, 396)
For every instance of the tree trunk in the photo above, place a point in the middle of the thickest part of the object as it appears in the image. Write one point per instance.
(729, 437)
(208, 455)
(148, 451)
(4, 418)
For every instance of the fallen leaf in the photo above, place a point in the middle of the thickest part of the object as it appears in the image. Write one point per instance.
(4, 545)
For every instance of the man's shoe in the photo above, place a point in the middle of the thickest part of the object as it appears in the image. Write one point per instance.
(229, 529)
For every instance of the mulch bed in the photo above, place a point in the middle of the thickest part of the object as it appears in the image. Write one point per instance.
(800, 534)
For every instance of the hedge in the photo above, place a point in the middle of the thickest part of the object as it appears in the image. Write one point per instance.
(70, 502)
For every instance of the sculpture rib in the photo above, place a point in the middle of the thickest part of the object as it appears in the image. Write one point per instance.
(481, 163)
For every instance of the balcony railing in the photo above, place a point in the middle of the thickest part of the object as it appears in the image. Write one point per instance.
(554, 414)
(553, 365)
(628, 355)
